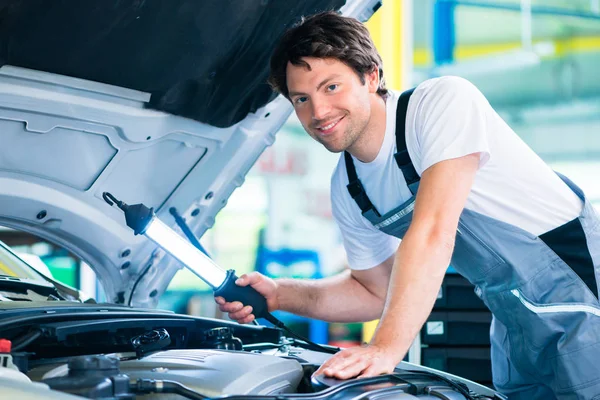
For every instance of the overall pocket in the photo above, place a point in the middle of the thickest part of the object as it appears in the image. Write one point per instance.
(472, 256)
(570, 334)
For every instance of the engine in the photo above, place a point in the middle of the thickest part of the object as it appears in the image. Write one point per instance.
(153, 369)
(213, 373)
(199, 374)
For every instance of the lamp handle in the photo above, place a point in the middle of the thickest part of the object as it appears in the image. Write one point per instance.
(247, 295)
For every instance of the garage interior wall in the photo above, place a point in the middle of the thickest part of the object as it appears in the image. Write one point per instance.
(538, 66)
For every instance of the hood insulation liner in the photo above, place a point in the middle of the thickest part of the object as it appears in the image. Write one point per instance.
(204, 60)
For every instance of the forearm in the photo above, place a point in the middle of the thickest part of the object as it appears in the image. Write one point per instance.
(419, 268)
(339, 298)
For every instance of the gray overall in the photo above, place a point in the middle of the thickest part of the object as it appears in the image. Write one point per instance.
(542, 290)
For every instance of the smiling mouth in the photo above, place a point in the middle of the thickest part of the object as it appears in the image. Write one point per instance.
(325, 129)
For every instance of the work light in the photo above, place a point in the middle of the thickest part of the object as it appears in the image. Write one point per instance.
(144, 221)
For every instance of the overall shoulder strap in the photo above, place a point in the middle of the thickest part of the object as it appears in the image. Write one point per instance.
(402, 157)
(355, 187)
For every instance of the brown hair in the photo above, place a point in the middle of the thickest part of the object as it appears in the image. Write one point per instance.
(326, 35)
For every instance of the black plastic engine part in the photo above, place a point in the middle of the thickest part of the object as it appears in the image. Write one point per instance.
(21, 360)
(144, 386)
(23, 341)
(93, 377)
(416, 383)
(222, 338)
(150, 341)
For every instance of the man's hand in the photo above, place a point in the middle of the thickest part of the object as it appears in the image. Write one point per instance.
(360, 362)
(263, 285)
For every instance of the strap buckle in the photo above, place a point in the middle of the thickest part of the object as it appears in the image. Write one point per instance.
(355, 188)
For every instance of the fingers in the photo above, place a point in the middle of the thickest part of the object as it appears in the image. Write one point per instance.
(340, 366)
(253, 278)
(346, 368)
(247, 319)
(237, 311)
(351, 370)
(249, 279)
(320, 370)
(356, 362)
(369, 372)
(231, 307)
(243, 313)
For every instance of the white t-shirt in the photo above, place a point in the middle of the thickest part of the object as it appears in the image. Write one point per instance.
(447, 118)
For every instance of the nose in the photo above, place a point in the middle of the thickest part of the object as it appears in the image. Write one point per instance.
(320, 109)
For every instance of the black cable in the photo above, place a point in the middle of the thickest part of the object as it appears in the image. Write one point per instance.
(310, 345)
(26, 340)
(177, 388)
(144, 386)
(187, 231)
(137, 281)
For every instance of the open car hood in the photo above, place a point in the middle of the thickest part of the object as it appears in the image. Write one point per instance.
(158, 102)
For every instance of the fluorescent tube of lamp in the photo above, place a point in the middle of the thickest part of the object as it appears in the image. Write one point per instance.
(185, 252)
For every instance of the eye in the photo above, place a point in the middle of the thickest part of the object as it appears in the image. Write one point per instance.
(300, 100)
(332, 87)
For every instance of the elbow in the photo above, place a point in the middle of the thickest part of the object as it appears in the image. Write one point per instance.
(373, 297)
(435, 240)
(444, 239)
(434, 235)
(440, 245)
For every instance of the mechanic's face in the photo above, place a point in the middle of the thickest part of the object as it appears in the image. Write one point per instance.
(331, 102)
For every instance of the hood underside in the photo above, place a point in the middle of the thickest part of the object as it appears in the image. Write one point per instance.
(204, 60)
(158, 102)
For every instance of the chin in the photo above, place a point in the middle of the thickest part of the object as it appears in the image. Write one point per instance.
(334, 148)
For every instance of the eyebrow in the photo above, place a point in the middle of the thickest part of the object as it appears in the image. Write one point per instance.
(319, 86)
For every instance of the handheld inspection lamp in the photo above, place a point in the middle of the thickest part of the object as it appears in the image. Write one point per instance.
(144, 221)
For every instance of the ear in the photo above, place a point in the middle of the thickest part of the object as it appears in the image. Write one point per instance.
(372, 79)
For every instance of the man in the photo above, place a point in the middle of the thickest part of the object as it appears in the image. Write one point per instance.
(439, 169)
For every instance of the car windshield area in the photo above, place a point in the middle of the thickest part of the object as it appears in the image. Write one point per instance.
(13, 266)
(32, 269)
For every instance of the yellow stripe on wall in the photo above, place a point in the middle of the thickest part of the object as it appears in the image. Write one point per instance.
(386, 30)
(423, 56)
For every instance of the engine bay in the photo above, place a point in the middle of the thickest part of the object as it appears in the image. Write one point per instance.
(130, 355)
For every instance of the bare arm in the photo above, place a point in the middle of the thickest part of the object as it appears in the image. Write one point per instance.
(419, 267)
(425, 252)
(351, 296)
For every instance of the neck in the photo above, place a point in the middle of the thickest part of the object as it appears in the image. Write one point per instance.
(369, 143)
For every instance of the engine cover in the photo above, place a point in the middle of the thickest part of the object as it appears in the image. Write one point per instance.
(213, 372)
